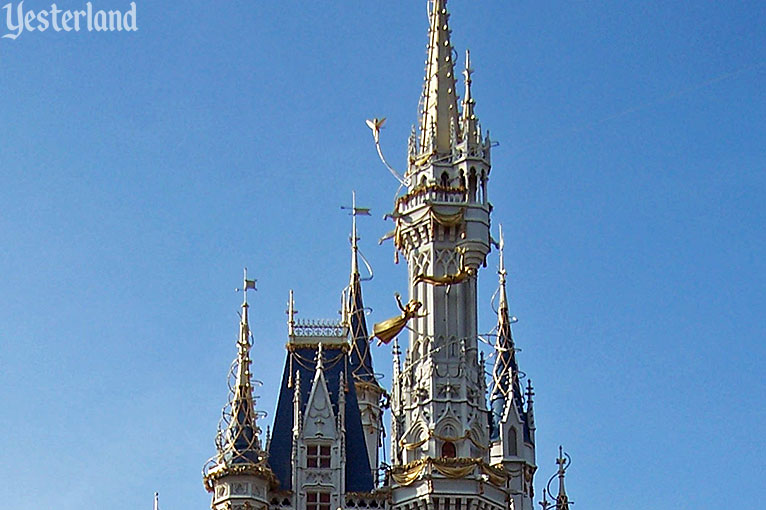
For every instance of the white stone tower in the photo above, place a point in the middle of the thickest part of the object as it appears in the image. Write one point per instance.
(440, 441)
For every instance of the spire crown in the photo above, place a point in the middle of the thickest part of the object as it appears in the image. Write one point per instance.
(353, 307)
(563, 461)
(240, 442)
(439, 100)
(470, 123)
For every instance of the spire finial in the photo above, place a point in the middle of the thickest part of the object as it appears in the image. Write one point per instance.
(355, 211)
(291, 314)
(545, 504)
(320, 357)
(470, 123)
(501, 268)
(563, 461)
(439, 96)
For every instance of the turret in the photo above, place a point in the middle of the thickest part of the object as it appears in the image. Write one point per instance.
(440, 440)
(368, 390)
(513, 443)
(239, 473)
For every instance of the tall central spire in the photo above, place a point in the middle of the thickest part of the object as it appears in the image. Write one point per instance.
(439, 114)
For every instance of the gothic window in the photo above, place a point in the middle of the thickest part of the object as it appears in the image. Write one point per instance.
(483, 187)
(445, 179)
(423, 181)
(472, 185)
(512, 448)
(448, 450)
(318, 456)
(317, 500)
(462, 179)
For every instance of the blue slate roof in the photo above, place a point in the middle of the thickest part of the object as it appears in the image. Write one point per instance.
(358, 472)
(360, 357)
(505, 377)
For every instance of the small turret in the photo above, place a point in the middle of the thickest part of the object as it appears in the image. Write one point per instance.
(469, 123)
(368, 390)
(513, 442)
(239, 472)
(505, 375)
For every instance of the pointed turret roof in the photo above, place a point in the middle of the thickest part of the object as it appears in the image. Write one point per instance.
(505, 375)
(439, 102)
(360, 357)
(241, 443)
(238, 443)
(469, 122)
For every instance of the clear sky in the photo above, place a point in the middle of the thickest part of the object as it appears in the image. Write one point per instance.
(139, 172)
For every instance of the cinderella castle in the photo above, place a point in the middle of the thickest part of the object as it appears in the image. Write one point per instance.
(458, 439)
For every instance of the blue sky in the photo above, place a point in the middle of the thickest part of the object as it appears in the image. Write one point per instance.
(139, 172)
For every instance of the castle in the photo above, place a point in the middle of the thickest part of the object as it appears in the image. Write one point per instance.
(456, 443)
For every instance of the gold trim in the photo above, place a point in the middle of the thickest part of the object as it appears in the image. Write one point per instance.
(260, 470)
(294, 346)
(448, 467)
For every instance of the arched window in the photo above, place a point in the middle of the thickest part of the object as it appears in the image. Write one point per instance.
(448, 450)
(483, 187)
(423, 181)
(445, 179)
(462, 179)
(512, 440)
(472, 185)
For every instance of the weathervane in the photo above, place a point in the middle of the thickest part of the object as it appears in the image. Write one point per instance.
(357, 211)
(247, 285)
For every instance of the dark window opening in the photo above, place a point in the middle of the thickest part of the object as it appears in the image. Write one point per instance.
(512, 449)
(318, 456)
(448, 450)
(317, 500)
(472, 185)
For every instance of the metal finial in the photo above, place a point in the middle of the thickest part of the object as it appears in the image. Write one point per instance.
(545, 504)
(320, 357)
(529, 393)
(355, 211)
(468, 69)
(291, 314)
(501, 252)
